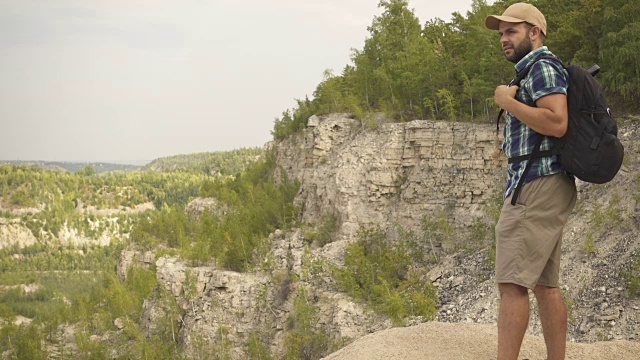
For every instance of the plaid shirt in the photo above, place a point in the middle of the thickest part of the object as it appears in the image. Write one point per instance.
(545, 77)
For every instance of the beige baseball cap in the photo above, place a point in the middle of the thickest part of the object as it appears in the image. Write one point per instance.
(517, 13)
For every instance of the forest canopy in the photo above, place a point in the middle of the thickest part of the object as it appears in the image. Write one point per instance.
(448, 70)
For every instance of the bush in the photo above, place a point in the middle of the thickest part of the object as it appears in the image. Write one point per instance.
(256, 350)
(633, 278)
(305, 340)
(23, 342)
(381, 275)
(327, 229)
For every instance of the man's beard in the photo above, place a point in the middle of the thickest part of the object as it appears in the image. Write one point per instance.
(525, 47)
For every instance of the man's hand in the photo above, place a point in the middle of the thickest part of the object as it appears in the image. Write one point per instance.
(505, 95)
(549, 117)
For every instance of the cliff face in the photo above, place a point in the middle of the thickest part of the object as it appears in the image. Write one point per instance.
(401, 172)
(223, 310)
(395, 174)
(14, 233)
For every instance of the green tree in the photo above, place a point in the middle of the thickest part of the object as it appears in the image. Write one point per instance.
(449, 69)
(620, 47)
(87, 171)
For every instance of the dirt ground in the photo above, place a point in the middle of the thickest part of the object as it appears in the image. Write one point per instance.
(442, 341)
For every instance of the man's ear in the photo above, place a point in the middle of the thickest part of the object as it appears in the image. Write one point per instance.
(535, 33)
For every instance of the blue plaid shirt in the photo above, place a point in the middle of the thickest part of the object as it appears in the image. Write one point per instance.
(545, 77)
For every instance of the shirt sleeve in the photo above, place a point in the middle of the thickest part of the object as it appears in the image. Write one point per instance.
(547, 77)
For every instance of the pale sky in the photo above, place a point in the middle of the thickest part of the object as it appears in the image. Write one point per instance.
(121, 80)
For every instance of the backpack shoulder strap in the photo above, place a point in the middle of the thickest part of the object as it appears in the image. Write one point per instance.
(551, 57)
(531, 157)
(520, 76)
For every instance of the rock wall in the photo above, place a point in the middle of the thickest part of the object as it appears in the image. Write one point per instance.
(14, 233)
(395, 174)
(227, 306)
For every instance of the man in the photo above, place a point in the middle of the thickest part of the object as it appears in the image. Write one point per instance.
(529, 233)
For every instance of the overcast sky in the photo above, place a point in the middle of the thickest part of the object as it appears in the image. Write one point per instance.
(121, 80)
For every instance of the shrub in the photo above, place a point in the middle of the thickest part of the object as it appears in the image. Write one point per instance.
(327, 229)
(438, 231)
(305, 340)
(381, 275)
(256, 350)
(633, 278)
(22, 342)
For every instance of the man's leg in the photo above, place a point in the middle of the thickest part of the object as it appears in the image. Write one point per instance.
(553, 316)
(513, 320)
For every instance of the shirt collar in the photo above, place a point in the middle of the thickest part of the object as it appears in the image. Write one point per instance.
(530, 58)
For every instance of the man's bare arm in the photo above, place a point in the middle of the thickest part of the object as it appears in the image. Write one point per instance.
(550, 117)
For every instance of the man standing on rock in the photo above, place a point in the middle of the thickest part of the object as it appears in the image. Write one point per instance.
(529, 233)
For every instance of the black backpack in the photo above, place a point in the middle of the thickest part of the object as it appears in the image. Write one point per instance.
(590, 150)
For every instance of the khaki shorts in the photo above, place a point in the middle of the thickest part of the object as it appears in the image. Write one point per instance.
(529, 234)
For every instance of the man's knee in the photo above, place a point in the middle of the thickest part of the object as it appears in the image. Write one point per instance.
(546, 292)
(509, 290)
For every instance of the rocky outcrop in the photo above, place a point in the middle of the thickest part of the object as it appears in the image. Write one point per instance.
(21, 210)
(92, 210)
(395, 174)
(106, 228)
(217, 301)
(199, 205)
(14, 233)
(130, 258)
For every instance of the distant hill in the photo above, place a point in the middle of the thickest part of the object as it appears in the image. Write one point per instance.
(99, 167)
(211, 163)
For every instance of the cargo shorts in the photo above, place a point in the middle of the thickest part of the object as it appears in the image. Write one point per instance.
(529, 234)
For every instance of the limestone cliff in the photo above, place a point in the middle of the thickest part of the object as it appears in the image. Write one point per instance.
(14, 233)
(394, 174)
